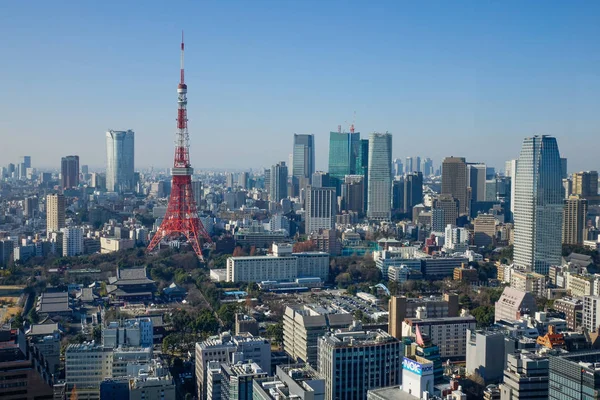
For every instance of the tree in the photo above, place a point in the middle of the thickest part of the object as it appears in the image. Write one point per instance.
(307, 245)
(343, 279)
(227, 314)
(170, 343)
(275, 332)
(97, 333)
(33, 316)
(484, 315)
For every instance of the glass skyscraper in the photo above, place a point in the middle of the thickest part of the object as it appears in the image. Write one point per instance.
(303, 159)
(344, 156)
(379, 201)
(119, 161)
(538, 208)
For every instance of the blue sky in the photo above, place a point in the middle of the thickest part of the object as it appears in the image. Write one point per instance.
(445, 78)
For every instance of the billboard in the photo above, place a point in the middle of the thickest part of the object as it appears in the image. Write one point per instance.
(416, 367)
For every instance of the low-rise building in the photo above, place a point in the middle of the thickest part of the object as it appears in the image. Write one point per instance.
(513, 304)
(572, 309)
(449, 334)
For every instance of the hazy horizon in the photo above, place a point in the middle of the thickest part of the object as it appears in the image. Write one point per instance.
(470, 79)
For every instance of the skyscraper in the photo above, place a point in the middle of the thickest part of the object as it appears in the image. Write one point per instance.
(585, 184)
(454, 181)
(538, 205)
(119, 161)
(279, 178)
(476, 175)
(408, 165)
(303, 159)
(55, 212)
(416, 162)
(427, 166)
(320, 208)
(353, 194)
(564, 168)
(344, 154)
(413, 191)
(69, 172)
(379, 202)
(398, 167)
(574, 219)
(24, 163)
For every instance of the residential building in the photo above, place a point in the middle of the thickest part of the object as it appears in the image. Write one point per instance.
(525, 377)
(120, 161)
(320, 208)
(72, 243)
(449, 333)
(214, 380)
(354, 362)
(454, 181)
(302, 327)
(574, 220)
(579, 285)
(69, 172)
(529, 282)
(55, 213)
(379, 200)
(299, 382)
(513, 304)
(572, 309)
(538, 205)
(591, 313)
(456, 239)
(401, 307)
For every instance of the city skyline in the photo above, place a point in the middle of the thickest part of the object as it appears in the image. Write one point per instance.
(481, 95)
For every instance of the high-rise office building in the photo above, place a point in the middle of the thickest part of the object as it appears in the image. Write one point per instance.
(574, 376)
(413, 190)
(354, 362)
(427, 166)
(538, 205)
(24, 164)
(408, 165)
(476, 176)
(454, 181)
(416, 162)
(398, 194)
(449, 205)
(120, 161)
(69, 172)
(379, 201)
(279, 178)
(321, 179)
(353, 193)
(303, 160)
(55, 212)
(574, 220)
(398, 168)
(563, 168)
(344, 155)
(585, 184)
(243, 181)
(511, 172)
(320, 209)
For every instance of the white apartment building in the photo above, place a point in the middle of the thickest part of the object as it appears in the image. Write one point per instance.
(72, 241)
(86, 366)
(591, 313)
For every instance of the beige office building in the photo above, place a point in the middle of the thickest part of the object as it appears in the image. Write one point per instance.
(55, 212)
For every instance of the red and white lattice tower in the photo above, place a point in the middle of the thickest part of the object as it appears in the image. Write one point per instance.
(181, 218)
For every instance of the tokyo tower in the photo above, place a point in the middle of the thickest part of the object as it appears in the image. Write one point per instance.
(181, 218)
